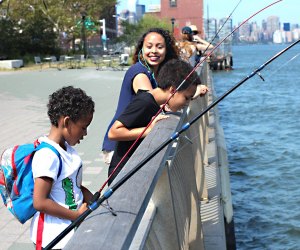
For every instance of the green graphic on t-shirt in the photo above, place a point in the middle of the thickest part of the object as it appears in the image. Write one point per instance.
(67, 185)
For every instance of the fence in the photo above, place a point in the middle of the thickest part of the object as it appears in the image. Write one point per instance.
(158, 207)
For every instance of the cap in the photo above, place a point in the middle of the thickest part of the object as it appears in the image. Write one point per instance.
(186, 30)
(194, 28)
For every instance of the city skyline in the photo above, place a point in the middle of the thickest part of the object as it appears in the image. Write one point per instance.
(130, 4)
(286, 10)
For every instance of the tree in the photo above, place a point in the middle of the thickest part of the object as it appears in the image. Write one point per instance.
(150, 21)
(132, 32)
(38, 36)
(63, 16)
(7, 38)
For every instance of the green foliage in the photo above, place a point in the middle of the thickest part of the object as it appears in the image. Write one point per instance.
(150, 21)
(8, 33)
(62, 14)
(132, 32)
(32, 26)
(33, 36)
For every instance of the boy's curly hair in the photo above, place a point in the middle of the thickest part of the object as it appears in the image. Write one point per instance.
(174, 72)
(69, 101)
(172, 49)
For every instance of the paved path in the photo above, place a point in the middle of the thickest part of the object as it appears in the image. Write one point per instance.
(23, 117)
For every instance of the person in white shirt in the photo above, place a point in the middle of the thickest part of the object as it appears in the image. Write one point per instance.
(60, 198)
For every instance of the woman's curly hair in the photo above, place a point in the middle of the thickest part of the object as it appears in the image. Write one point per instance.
(172, 50)
(69, 101)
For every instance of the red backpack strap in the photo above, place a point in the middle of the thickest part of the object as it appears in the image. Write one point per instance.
(36, 143)
(39, 233)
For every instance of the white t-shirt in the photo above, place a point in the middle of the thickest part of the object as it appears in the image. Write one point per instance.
(65, 190)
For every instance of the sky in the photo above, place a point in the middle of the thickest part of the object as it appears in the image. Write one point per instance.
(287, 10)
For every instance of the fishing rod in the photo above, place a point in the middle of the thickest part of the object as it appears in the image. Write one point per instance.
(98, 193)
(210, 53)
(96, 196)
(174, 136)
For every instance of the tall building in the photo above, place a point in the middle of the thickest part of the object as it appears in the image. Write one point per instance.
(254, 33)
(245, 32)
(286, 27)
(140, 11)
(278, 37)
(182, 13)
(210, 28)
(296, 34)
(273, 24)
(226, 28)
(127, 16)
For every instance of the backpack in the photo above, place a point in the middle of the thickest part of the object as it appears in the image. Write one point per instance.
(16, 179)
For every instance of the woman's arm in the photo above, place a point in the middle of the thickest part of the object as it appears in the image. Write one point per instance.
(202, 42)
(203, 47)
(141, 81)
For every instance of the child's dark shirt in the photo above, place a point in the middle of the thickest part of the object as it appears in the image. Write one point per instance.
(126, 96)
(137, 114)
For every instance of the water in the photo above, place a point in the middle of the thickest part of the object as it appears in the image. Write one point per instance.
(261, 122)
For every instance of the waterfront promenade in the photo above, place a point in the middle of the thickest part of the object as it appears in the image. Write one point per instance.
(23, 117)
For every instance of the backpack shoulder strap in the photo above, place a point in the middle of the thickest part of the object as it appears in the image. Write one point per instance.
(47, 145)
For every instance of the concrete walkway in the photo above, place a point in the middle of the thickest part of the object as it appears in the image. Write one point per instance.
(23, 117)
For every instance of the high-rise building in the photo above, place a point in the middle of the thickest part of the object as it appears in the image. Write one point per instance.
(140, 11)
(286, 27)
(210, 28)
(245, 32)
(277, 37)
(182, 13)
(226, 28)
(273, 24)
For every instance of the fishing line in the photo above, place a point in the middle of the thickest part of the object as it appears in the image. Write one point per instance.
(209, 54)
(186, 126)
(98, 193)
(187, 141)
(276, 70)
(174, 136)
(210, 43)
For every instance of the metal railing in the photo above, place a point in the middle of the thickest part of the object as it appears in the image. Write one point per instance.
(159, 206)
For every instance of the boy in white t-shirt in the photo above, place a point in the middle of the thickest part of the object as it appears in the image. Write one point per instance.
(61, 198)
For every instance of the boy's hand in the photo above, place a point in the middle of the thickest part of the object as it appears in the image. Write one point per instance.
(158, 118)
(201, 91)
(82, 209)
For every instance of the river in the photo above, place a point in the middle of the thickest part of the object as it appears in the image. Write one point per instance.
(261, 122)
